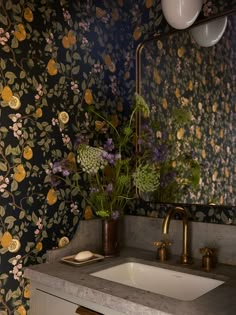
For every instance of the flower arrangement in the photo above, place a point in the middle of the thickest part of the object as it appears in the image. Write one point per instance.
(109, 169)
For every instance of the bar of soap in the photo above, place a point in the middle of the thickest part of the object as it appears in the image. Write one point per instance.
(83, 256)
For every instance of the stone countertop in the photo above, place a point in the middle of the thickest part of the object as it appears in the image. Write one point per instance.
(77, 281)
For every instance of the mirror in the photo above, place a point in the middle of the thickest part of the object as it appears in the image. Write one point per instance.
(191, 91)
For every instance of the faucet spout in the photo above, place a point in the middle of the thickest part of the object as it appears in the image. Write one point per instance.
(185, 258)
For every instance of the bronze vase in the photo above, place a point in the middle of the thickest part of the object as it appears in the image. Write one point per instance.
(110, 237)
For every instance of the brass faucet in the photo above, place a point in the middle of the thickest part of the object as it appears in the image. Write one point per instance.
(185, 258)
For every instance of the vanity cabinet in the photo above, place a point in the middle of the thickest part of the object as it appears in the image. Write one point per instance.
(48, 301)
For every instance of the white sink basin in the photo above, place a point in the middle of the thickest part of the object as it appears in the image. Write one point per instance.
(167, 282)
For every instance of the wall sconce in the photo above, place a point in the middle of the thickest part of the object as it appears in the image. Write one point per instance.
(181, 14)
(208, 34)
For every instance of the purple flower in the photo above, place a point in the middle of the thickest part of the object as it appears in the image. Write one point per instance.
(109, 146)
(109, 187)
(115, 215)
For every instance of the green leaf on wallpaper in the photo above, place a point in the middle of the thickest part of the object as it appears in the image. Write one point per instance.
(62, 80)
(21, 215)
(16, 9)
(10, 221)
(2, 211)
(62, 206)
(10, 76)
(8, 150)
(75, 70)
(68, 57)
(8, 295)
(8, 4)
(3, 19)
(3, 167)
(6, 49)
(14, 186)
(22, 74)
(3, 64)
(14, 43)
(76, 56)
(75, 99)
(3, 276)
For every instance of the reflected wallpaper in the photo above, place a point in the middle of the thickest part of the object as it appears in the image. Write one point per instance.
(57, 58)
(191, 92)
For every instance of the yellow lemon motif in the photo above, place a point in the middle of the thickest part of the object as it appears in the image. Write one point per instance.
(180, 133)
(39, 113)
(7, 93)
(88, 213)
(190, 85)
(39, 246)
(65, 42)
(28, 15)
(115, 120)
(20, 173)
(14, 103)
(177, 93)
(164, 103)
(14, 245)
(88, 97)
(27, 291)
(99, 124)
(27, 153)
(199, 58)
(107, 60)
(21, 310)
(52, 67)
(115, 14)
(137, 33)
(63, 117)
(63, 241)
(6, 239)
(156, 76)
(20, 32)
(180, 52)
(112, 67)
(148, 4)
(72, 160)
(100, 13)
(51, 197)
(127, 75)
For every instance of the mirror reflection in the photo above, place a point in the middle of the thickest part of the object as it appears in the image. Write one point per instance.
(191, 94)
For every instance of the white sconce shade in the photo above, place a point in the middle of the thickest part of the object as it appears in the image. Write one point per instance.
(208, 34)
(181, 14)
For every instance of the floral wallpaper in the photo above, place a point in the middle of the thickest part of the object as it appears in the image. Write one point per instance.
(55, 61)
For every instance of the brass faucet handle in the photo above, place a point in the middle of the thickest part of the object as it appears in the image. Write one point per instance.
(207, 251)
(162, 243)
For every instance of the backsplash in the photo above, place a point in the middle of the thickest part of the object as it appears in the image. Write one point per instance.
(56, 61)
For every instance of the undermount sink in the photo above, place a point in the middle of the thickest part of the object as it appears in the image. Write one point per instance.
(175, 284)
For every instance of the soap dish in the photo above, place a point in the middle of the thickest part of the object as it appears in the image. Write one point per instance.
(71, 260)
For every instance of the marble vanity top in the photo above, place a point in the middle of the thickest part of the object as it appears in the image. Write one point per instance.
(78, 282)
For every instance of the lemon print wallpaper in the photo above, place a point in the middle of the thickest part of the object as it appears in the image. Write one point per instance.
(58, 58)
